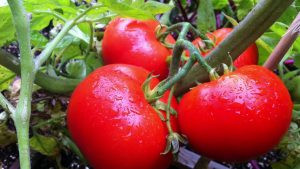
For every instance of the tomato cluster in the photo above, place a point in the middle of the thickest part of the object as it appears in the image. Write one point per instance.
(239, 116)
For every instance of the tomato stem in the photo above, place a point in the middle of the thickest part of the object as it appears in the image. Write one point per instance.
(168, 122)
(175, 75)
(184, 28)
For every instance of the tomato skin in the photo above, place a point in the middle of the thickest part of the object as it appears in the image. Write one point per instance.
(248, 57)
(134, 42)
(237, 117)
(112, 123)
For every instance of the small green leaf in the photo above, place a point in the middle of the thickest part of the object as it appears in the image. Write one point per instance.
(206, 20)
(45, 145)
(136, 9)
(6, 77)
(7, 28)
(156, 7)
(126, 9)
(93, 61)
(38, 40)
(244, 7)
(297, 62)
(39, 22)
(219, 4)
(6, 136)
(76, 69)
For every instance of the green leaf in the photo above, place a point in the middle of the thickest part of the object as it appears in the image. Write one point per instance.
(136, 9)
(266, 44)
(32, 5)
(6, 136)
(93, 61)
(126, 10)
(7, 28)
(39, 22)
(45, 145)
(38, 40)
(6, 77)
(76, 69)
(206, 20)
(244, 7)
(219, 4)
(156, 7)
(297, 61)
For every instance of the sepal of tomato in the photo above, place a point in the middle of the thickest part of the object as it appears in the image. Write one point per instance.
(113, 124)
(237, 117)
(134, 42)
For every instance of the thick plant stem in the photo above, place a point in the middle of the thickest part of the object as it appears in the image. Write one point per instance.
(22, 116)
(264, 14)
(50, 46)
(284, 44)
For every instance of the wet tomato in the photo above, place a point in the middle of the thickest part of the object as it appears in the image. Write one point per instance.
(113, 124)
(134, 42)
(237, 117)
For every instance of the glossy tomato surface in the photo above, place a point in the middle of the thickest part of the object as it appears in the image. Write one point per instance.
(112, 123)
(134, 42)
(237, 117)
(248, 57)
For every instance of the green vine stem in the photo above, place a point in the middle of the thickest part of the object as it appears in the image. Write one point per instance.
(176, 75)
(22, 116)
(264, 14)
(50, 46)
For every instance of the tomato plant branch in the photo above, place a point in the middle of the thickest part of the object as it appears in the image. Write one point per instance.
(176, 75)
(57, 85)
(284, 44)
(91, 44)
(264, 14)
(6, 105)
(22, 116)
(40, 59)
(50, 46)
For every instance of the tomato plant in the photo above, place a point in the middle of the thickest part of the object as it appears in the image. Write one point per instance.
(237, 117)
(118, 127)
(131, 41)
(115, 117)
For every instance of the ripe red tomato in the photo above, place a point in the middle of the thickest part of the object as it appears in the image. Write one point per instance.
(112, 123)
(237, 117)
(248, 57)
(134, 42)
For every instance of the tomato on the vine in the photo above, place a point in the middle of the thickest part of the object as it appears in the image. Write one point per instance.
(113, 124)
(134, 42)
(248, 57)
(237, 117)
